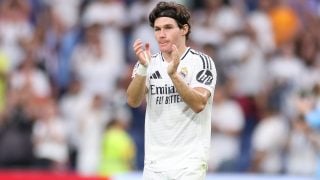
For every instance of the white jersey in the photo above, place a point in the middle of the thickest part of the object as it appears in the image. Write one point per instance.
(174, 134)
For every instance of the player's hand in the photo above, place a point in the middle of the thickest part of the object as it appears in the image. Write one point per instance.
(142, 52)
(175, 60)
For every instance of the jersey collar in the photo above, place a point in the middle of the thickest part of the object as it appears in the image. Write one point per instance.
(182, 57)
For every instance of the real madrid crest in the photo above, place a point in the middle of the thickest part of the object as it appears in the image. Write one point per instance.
(183, 72)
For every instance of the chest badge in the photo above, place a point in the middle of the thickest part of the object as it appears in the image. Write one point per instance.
(183, 72)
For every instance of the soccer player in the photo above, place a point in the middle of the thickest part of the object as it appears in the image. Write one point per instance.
(178, 83)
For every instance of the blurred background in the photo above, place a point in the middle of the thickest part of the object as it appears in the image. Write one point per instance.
(65, 66)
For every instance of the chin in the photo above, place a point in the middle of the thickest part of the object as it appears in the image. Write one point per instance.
(165, 49)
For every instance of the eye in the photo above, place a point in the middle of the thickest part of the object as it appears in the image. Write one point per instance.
(168, 27)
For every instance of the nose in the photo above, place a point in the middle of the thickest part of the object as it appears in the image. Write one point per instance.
(162, 33)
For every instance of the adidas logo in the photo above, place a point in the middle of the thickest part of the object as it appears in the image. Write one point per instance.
(156, 75)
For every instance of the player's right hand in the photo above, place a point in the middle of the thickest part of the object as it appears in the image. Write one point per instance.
(142, 52)
(175, 60)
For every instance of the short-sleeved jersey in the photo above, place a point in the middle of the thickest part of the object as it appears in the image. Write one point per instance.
(174, 134)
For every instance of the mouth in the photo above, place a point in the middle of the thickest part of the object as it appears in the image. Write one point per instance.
(163, 43)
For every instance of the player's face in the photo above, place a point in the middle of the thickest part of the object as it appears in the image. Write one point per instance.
(167, 33)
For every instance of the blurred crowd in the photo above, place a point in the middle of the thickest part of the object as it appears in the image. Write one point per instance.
(65, 66)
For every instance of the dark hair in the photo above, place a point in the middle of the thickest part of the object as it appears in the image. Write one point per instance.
(173, 10)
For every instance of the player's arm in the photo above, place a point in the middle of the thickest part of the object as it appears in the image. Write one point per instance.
(137, 87)
(136, 91)
(195, 98)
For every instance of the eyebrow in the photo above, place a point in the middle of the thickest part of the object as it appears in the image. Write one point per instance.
(165, 25)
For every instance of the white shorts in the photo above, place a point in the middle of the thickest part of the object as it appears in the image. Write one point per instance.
(188, 173)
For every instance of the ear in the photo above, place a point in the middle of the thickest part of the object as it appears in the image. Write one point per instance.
(185, 29)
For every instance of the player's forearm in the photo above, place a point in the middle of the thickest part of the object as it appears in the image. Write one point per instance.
(194, 98)
(136, 91)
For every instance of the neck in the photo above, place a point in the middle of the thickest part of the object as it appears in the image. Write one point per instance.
(167, 55)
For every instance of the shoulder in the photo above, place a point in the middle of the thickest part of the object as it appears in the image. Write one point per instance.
(156, 58)
(202, 59)
(156, 55)
(199, 54)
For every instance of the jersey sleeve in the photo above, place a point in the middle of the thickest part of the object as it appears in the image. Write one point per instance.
(204, 73)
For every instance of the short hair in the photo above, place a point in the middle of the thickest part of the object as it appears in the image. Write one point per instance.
(173, 10)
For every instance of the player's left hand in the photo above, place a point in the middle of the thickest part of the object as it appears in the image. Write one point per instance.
(175, 61)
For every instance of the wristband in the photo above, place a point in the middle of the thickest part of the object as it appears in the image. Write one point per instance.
(142, 70)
